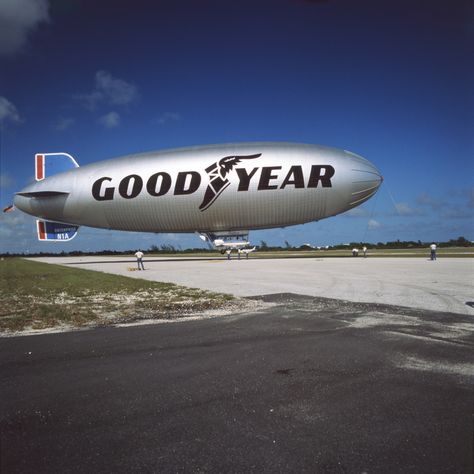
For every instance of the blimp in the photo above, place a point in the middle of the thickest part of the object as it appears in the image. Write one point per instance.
(220, 192)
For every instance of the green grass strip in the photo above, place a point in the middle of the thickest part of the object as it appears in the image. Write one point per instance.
(35, 295)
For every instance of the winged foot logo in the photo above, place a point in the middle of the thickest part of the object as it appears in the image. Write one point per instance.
(218, 180)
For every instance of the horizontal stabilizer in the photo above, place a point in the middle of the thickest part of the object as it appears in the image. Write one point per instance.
(39, 194)
(55, 231)
(47, 164)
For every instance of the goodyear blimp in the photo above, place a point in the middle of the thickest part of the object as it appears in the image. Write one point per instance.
(219, 191)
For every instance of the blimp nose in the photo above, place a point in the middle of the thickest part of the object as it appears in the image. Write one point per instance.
(365, 180)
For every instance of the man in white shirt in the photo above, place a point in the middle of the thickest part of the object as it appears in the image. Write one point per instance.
(139, 256)
(433, 251)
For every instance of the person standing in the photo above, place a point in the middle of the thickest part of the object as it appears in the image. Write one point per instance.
(139, 255)
(364, 249)
(433, 251)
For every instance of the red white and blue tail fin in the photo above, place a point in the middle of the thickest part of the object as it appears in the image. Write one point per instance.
(49, 231)
(47, 164)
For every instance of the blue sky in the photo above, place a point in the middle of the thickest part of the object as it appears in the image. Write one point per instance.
(389, 80)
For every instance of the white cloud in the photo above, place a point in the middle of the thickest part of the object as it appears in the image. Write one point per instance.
(8, 111)
(17, 19)
(172, 237)
(168, 117)
(64, 123)
(465, 196)
(110, 120)
(403, 209)
(456, 212)
(425, 199)
(90, 101)
(116, 91)
(357, 212)
(16, 224)
(109, 90)
(373, 224)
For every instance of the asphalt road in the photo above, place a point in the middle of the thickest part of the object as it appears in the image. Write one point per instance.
(307, 385)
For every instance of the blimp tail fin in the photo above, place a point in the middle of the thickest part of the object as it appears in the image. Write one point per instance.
(47, 164)
(49, 231)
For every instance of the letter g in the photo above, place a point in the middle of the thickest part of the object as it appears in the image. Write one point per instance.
(107, 194)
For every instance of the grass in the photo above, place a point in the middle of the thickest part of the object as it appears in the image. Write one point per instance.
(35, 295)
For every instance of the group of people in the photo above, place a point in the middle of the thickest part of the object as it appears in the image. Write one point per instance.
(355, 253)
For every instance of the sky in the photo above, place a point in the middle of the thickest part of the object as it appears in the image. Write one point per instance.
(389, 80)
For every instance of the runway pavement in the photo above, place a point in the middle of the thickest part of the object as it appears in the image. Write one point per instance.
(306, 385)
(442, 285)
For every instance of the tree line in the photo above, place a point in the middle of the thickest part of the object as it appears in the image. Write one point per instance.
(263, 247)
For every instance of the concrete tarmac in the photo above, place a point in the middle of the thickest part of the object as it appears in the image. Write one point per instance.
(442, 285)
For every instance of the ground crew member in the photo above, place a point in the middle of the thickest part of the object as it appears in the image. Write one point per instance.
(433, 251)
(139, 256)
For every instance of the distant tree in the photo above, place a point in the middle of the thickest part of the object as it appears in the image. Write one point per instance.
(263, 245)
(462, 242)
(287, 244)
(459, 242)
(168, 248)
